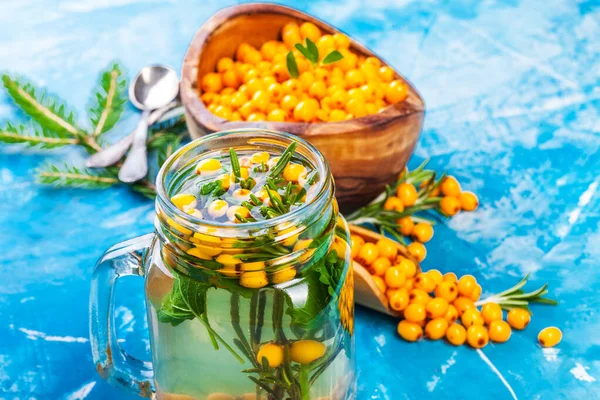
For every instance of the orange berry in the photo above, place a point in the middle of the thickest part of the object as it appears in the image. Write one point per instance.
(356, 107)
(468, 201)
(211, 82)
(337, 115)
(339, 98)
(261, 100)
(408, 267)
(354, 78)
(368, 254)
(288, 102)
(466, 285)
(398, 299)
(386, 74)
(224, 64)
(463, 304)
(450, 186)
(290, 34)
(275, 91)
(436, 275)
(253, 57)
(405, 225)
(415, 312)
(425, 282)
(451, 314)
(407, 194)
(549, 337)
(518, 318)
(446, 290)
(254, 85)
(450, 277)
(491, 312)
(242, 50)
(209, 97)
(499, 331)
(423, 232)
(394, 277)
(341, 41)
(308, 30)
(417, 250)
(477, 336)
(410, 331)
(436, 328)
(277, 115)
(380, 283)
(317, 89)
(246, 109)
(456, 334)
(256, 116)
(396, 91)
(436, 308)
(419, 296)
(387, 248)
(393, 203)
(238, 99)
(280, 73)
(476, 293)
(380, 266)
(450, 205)
(223, 112)
(356, 243)
(291, 86)
(409, 284)
(269, 49)
(471, 317)
(306, 110)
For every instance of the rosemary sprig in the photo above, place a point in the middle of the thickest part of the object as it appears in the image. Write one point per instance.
(235, 163)
(285, 158)
(515, 297)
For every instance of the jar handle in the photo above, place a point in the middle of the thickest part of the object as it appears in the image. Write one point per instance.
(113, 363)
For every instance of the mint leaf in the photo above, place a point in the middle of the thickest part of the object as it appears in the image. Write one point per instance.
(291, 65)
(332, 57)
(313, 50)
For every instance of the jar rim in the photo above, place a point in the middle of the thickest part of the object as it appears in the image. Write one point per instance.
(312, 153)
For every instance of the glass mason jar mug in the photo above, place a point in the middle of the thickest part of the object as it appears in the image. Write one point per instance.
(256, 310)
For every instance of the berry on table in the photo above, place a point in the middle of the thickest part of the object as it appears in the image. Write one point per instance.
(518, 318)
(499, 331)
(550, 337)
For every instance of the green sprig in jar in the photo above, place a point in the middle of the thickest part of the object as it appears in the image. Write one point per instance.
(249, 286)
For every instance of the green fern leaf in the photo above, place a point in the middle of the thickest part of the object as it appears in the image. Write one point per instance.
(70, 176)
(110, 98)
(34, 137)
(48, 111)
(145, 189)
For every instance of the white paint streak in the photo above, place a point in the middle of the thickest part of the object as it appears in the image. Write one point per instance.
(26, 299)
(380, 340)
(35, 335)
(83, 6)
(584, 200)
(432, 383)
(498, 373)
(550, 353)
(580, 373)
(82, 392)
(451, 361)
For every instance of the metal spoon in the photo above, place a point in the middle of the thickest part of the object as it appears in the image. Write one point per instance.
(154, 87)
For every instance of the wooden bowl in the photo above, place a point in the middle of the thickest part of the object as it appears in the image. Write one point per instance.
(366, 292)
(364, 154)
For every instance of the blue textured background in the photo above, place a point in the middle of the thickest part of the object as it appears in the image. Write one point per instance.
(513, 111)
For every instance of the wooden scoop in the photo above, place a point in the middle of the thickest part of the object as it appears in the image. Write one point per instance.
(366, 292)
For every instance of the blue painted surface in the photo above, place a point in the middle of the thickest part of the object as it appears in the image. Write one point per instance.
(513, 112)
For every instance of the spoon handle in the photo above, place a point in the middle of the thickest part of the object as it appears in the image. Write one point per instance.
(135, 166)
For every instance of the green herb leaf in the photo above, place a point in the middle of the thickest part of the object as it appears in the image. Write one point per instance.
(286, 156)
(69, 176)
(313, 51)
(235, 163)
(332, 57)
(291, 65)
(193, 293)
(109, 100)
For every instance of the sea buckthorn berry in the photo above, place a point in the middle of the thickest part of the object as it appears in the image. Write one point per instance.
(223, 112)
(450, 277)
(408, 267)
(477, 336)
(277, 115)
(356, 243)
(398, 299)
(436, 308)
(449, 205)
(254, 279)
(410, 331)
(396, 91)
(225, 181)
(550, 337)
(272, 352)
(405, 225)
(198, 253)
(208, 166)
(276, 91)
(228, 260)
(242, 49)
(184, 200)
(323, 115)
(246, 109)
(250, 74)
(348, 62)
(253, 57)
(471, 317)
(288, 102)
(456, 334)
(468, 201)
(209, 97)
(394, 277)
(466, 285)
(393, 203)
(380, 266)
(306, 351)
(256, 116)
(292, 172)
(476, 293)
(218, 208)
(290, 34)
(261, 100)
(306, 78)
(415, 312)
(371, 108)
(230, 79)
(491, 312)
(212, 107)
(339, 98)
(354, 78)
(435, 275)
(269, 49)
(409, 284)
(386, 74)
(499, 331)
(387, 248)
(518, 318)
(318, 89)
(463, 304)
(306, 110)
(368, 254)
(211, 82)
(451, 315)
(356, 107)
(423, 232)
(308, 30)
(254, 85)
(224, 64)
(436, 328)
(341, 41)
(260, 157)
(280, 73)
(326, 42)
(417, 250)
(283, 275)
(268, 81)
(450, 186)
(419, 296)
(447, 290)
(241, 211)
(380, 283)
(407, 193)
(337, 115)
(425, 282)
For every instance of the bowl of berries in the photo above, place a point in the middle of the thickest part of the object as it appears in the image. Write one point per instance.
(272, 67)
